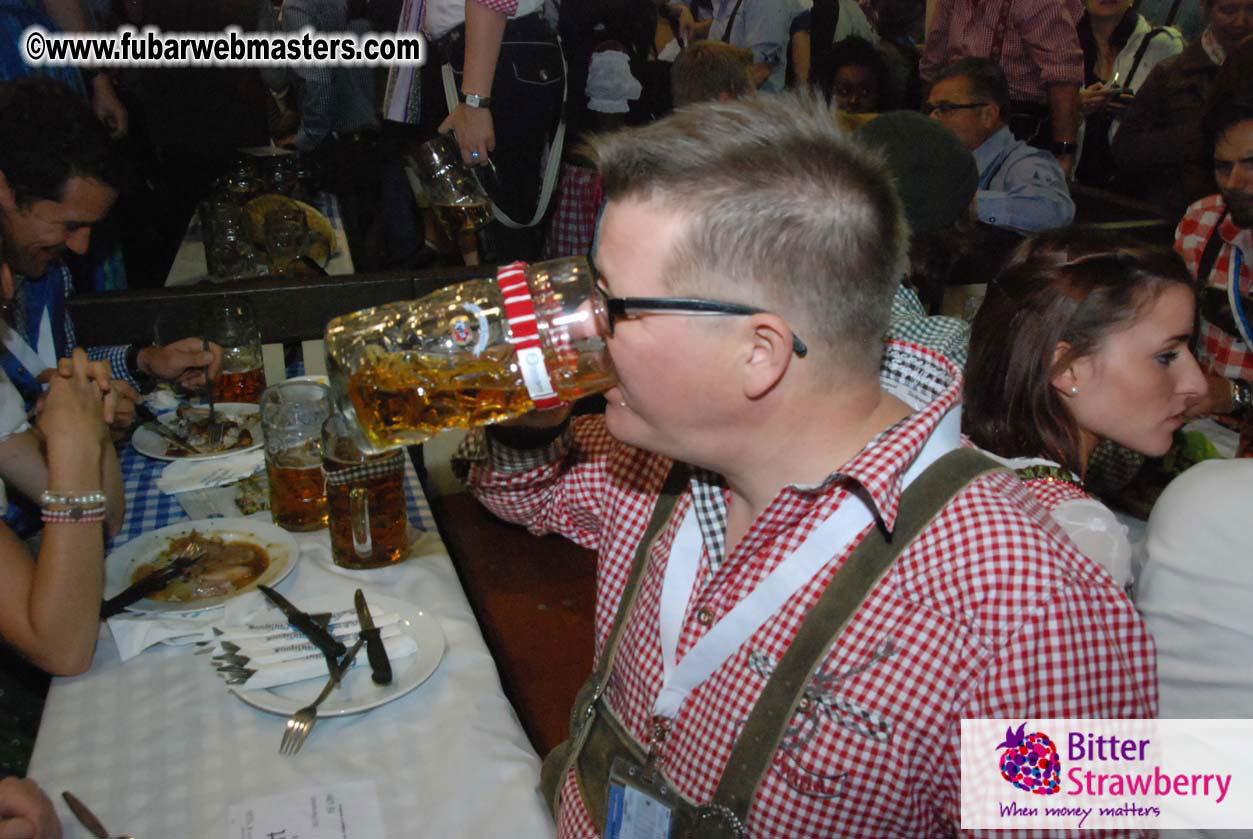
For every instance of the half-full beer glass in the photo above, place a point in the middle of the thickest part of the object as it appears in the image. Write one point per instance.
(365, 498)
(292, 414)
(231, 324)
(473, 353)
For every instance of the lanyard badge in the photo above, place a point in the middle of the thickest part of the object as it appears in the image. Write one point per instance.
(641, 803)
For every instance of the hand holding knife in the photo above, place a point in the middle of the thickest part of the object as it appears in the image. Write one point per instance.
(379, 665)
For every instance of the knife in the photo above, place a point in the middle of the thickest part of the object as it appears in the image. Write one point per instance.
(320, 638)
(147, 584)
(377, 653)
(144, 413)
(85, 817)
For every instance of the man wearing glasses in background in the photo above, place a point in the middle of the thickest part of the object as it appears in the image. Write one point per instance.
(1021, 188)
(758, 439)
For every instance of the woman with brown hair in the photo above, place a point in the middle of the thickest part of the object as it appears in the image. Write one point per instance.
(1081, 339)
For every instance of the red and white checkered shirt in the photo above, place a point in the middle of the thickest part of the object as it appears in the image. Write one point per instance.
(989, 613)
(1041, 44)
(507, 7)
(574, 219)
(1219, 351)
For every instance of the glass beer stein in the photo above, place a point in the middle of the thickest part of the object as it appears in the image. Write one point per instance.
(232, 325)
(365, 500)
(473, 353)
(457, 199)
(292, 414)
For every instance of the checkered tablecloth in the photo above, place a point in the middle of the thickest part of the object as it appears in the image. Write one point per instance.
(147, 508)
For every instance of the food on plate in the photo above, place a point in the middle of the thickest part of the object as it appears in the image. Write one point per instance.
(223, 566)
(252, 494)
(192, 424)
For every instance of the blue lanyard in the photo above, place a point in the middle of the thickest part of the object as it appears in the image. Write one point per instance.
(1237, 304)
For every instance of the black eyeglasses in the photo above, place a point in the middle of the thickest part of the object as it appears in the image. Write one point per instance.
(625, 307)
(946, 108)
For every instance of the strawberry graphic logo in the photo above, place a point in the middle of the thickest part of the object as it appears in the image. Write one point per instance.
(1030, 762)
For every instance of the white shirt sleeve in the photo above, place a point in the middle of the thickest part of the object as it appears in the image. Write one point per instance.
(1102, 538)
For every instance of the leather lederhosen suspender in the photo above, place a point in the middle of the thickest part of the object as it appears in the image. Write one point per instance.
(597, 737)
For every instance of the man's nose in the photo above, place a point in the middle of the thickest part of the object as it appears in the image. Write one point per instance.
(79, 240)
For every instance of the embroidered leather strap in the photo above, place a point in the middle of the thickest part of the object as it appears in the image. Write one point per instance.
(558, 762)
(764, 730)
(596, 737)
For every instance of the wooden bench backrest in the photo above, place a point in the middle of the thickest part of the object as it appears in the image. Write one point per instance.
(287, 310)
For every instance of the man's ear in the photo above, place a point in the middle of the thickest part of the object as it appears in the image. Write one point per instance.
(8, 200)
(991, 115)
(769, 354)
(8, 288)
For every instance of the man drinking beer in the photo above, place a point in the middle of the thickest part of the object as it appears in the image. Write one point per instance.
(764, 446)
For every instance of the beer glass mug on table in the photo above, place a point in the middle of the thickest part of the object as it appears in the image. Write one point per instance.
(469, 354)
(365, 499)
(286, 234)
(292, 414)
(227, 250)
(457, 199)
(231, 324)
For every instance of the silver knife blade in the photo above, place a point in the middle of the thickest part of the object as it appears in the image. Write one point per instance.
(85, 817)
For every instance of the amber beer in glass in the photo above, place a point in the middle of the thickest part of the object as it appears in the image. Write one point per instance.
(245, 386)
(292, 414)
(365, 497)
(402, 372)
(231, 324)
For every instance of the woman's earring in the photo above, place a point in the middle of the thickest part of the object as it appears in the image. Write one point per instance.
(1074, 390)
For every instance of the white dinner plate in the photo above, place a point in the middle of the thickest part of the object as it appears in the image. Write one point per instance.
(151, 444)
(358, 692)
(121, 564)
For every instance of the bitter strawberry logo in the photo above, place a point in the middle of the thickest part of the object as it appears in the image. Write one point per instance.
(1030, 762)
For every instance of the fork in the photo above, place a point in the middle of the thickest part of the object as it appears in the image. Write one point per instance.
(301, 722)
(215, 429)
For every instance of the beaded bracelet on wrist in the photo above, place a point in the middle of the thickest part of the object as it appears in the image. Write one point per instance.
(73, 515)
(72, 499)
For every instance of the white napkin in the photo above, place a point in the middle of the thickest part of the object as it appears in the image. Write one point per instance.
(312, 665)
(135, 632)
(279, 655)
(161, 399)
(187, 475)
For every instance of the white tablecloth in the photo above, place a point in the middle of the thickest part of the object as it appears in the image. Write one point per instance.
(159, 749)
